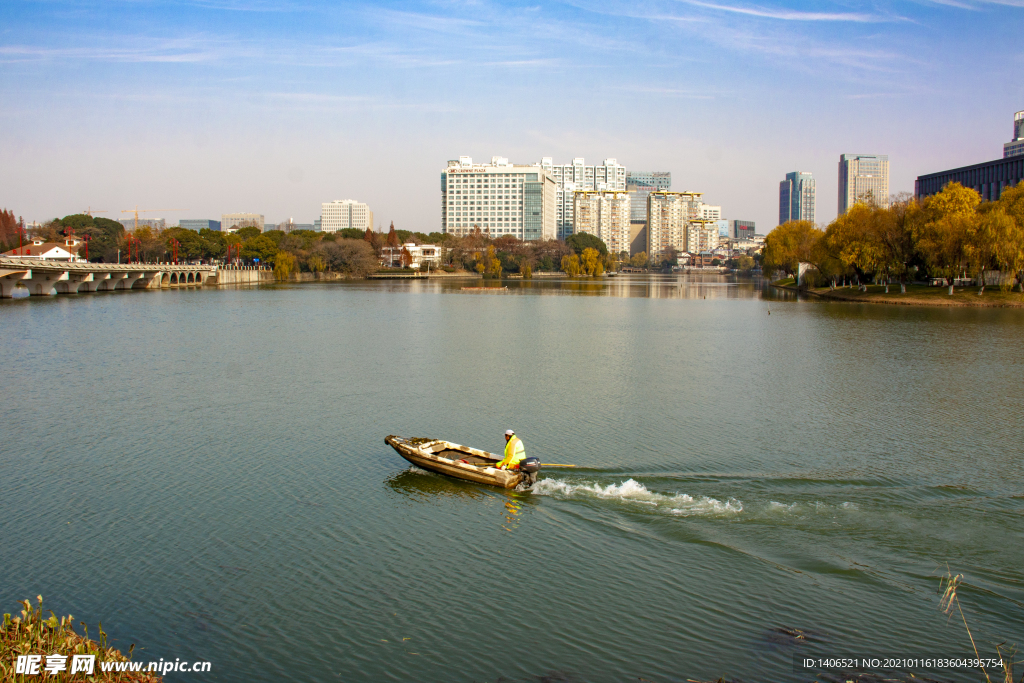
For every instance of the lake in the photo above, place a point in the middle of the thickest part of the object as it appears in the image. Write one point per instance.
(760, 477)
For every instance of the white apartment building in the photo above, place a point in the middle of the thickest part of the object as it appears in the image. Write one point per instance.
(674, 221)
(345, 213)
(702, 235)
(604, 215)
(230, 222)
(710, 213)
(500, 198)
(578, 177)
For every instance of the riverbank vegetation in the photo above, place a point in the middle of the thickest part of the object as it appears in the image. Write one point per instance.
(952, 236)
(350, 251)
(30, 633)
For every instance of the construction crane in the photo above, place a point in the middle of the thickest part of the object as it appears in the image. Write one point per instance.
(137, 211)
(90, 211)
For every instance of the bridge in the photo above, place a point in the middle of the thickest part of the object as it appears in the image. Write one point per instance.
(41, 276)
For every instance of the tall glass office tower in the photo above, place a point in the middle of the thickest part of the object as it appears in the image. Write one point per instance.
(796, 197)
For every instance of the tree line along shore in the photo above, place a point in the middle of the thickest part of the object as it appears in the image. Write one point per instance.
(952, 238)
(351, 252)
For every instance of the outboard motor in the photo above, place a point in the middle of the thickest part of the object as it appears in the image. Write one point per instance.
(529, 467)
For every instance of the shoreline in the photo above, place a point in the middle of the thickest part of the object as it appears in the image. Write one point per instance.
(917, 295)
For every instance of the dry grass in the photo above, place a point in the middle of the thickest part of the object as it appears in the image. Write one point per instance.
(920, 295)
(32, 634)
(950, 600)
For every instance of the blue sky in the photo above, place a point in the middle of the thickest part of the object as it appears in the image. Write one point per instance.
(217, 106)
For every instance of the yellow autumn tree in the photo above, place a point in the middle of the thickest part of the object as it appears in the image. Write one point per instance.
(284, 263)
(591, 262)
(571, 265)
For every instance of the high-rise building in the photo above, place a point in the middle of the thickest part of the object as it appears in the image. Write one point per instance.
(344, 213)
(1015, 147)
(578, 177)
(604, 215)
(863, 178)
(674, 222)
(743, 230)
(198, 224)
(230, 222)
(796, 197)
(500, 198)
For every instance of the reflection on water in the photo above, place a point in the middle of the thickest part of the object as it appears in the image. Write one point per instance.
(424, 486)
(650, 286)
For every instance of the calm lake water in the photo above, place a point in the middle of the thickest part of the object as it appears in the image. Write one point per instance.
(205, 473)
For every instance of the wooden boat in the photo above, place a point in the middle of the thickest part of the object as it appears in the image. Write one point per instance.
(460, 461)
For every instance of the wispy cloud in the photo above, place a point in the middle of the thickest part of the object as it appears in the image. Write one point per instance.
(168, 53)
(789, 15)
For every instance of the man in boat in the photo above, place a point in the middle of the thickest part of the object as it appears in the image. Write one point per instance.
(514, 452)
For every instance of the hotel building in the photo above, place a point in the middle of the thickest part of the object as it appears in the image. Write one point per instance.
(345, 213)
(604, 215)
(863, 177)
(578, 177)
(500, 198)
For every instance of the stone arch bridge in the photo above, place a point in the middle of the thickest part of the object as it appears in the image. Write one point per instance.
(42, 276)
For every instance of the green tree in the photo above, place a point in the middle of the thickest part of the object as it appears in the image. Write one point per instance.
(248, 231)
(259, 247)
(639, 260)
(584, 240)
(316, 263)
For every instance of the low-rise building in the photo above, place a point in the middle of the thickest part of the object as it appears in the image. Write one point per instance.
(391, 257)
(153, 223)
(743, 230)
(37, 248)
(198, 224)
(231, 222)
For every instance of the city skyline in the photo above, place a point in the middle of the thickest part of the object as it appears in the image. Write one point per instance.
(276, 108)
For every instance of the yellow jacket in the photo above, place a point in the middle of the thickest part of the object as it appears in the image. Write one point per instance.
(514, 453)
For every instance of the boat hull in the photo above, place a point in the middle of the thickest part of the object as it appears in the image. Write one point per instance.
(444, 457)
